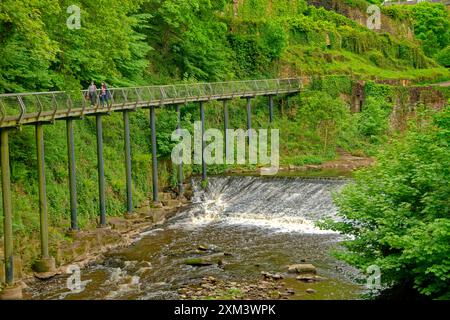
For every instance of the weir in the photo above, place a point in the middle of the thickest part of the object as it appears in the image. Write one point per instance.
(44, 108)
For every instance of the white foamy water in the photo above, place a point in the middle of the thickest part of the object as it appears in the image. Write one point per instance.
(280, 204)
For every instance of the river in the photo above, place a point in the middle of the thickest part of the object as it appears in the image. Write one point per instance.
(254, 224)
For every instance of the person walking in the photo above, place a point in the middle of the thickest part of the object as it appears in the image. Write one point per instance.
(92, 92)
(104, 94)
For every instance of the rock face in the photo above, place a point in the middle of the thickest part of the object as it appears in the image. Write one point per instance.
(302, 268)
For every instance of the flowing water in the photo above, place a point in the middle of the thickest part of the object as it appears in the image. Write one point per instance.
(261, 224)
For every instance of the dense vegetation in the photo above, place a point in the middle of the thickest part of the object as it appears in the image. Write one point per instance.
(130, 42)
(125, 42)
(431, 25)
(398, 211)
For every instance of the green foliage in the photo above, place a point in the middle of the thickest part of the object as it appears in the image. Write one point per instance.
(398, 211)
(43, 53)
(430, 22)
(373, 120)
(189, 40)
(432, 26)
(443, 57)
(250, 57)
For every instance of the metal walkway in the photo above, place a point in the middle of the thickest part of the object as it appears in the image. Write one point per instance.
(18, 109)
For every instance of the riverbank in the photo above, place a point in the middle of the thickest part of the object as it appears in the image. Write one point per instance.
(90, 245)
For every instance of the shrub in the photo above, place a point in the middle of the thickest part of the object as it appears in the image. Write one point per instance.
(398, 212)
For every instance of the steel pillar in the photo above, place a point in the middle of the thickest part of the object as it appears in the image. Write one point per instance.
(7, 208)
(42, 190)
(225, 125)
(180, 166)
(249, 119)
(271, 109)
(72, 175)
(127, 146)
(154, 158)
(101, 170)
(202, 116)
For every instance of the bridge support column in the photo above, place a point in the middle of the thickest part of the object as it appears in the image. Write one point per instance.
(271, 109)
(180, 166)
(127, 146)
(225, 125)
(10, 291)
(202, 117)
(101, 171)
(45, 263)
(249, 119)
(154, 158)
(72, 176)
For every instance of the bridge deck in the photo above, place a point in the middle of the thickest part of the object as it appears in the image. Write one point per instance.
(29, 108)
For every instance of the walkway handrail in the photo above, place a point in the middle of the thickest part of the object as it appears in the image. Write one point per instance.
(33, 107)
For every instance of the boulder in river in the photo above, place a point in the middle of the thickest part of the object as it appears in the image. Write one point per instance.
(302, 268)
(273, 276)
(208, 260)
(307, 277)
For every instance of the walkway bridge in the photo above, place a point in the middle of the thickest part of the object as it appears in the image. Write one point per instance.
(44, 108)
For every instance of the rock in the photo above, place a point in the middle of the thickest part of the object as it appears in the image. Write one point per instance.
(274, 276)
(157, 215)
(44, 275)
(143, 271)
(302, 268)
(290, 291)
(310, 291)
(119, 224)
(208, 260)
(164, 196)
(198, 262)
(144, 264)
(170, 203)
(188, 194)
(309, 277)
(203, 248)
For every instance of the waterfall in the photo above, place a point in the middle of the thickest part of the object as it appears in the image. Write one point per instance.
(281, 204)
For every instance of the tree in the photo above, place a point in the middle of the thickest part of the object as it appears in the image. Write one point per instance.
(432, 26)
(398, 211)
(189, 39)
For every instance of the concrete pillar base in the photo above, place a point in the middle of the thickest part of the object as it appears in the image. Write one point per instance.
(45, 265)
(157, 204)
(11, 293)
